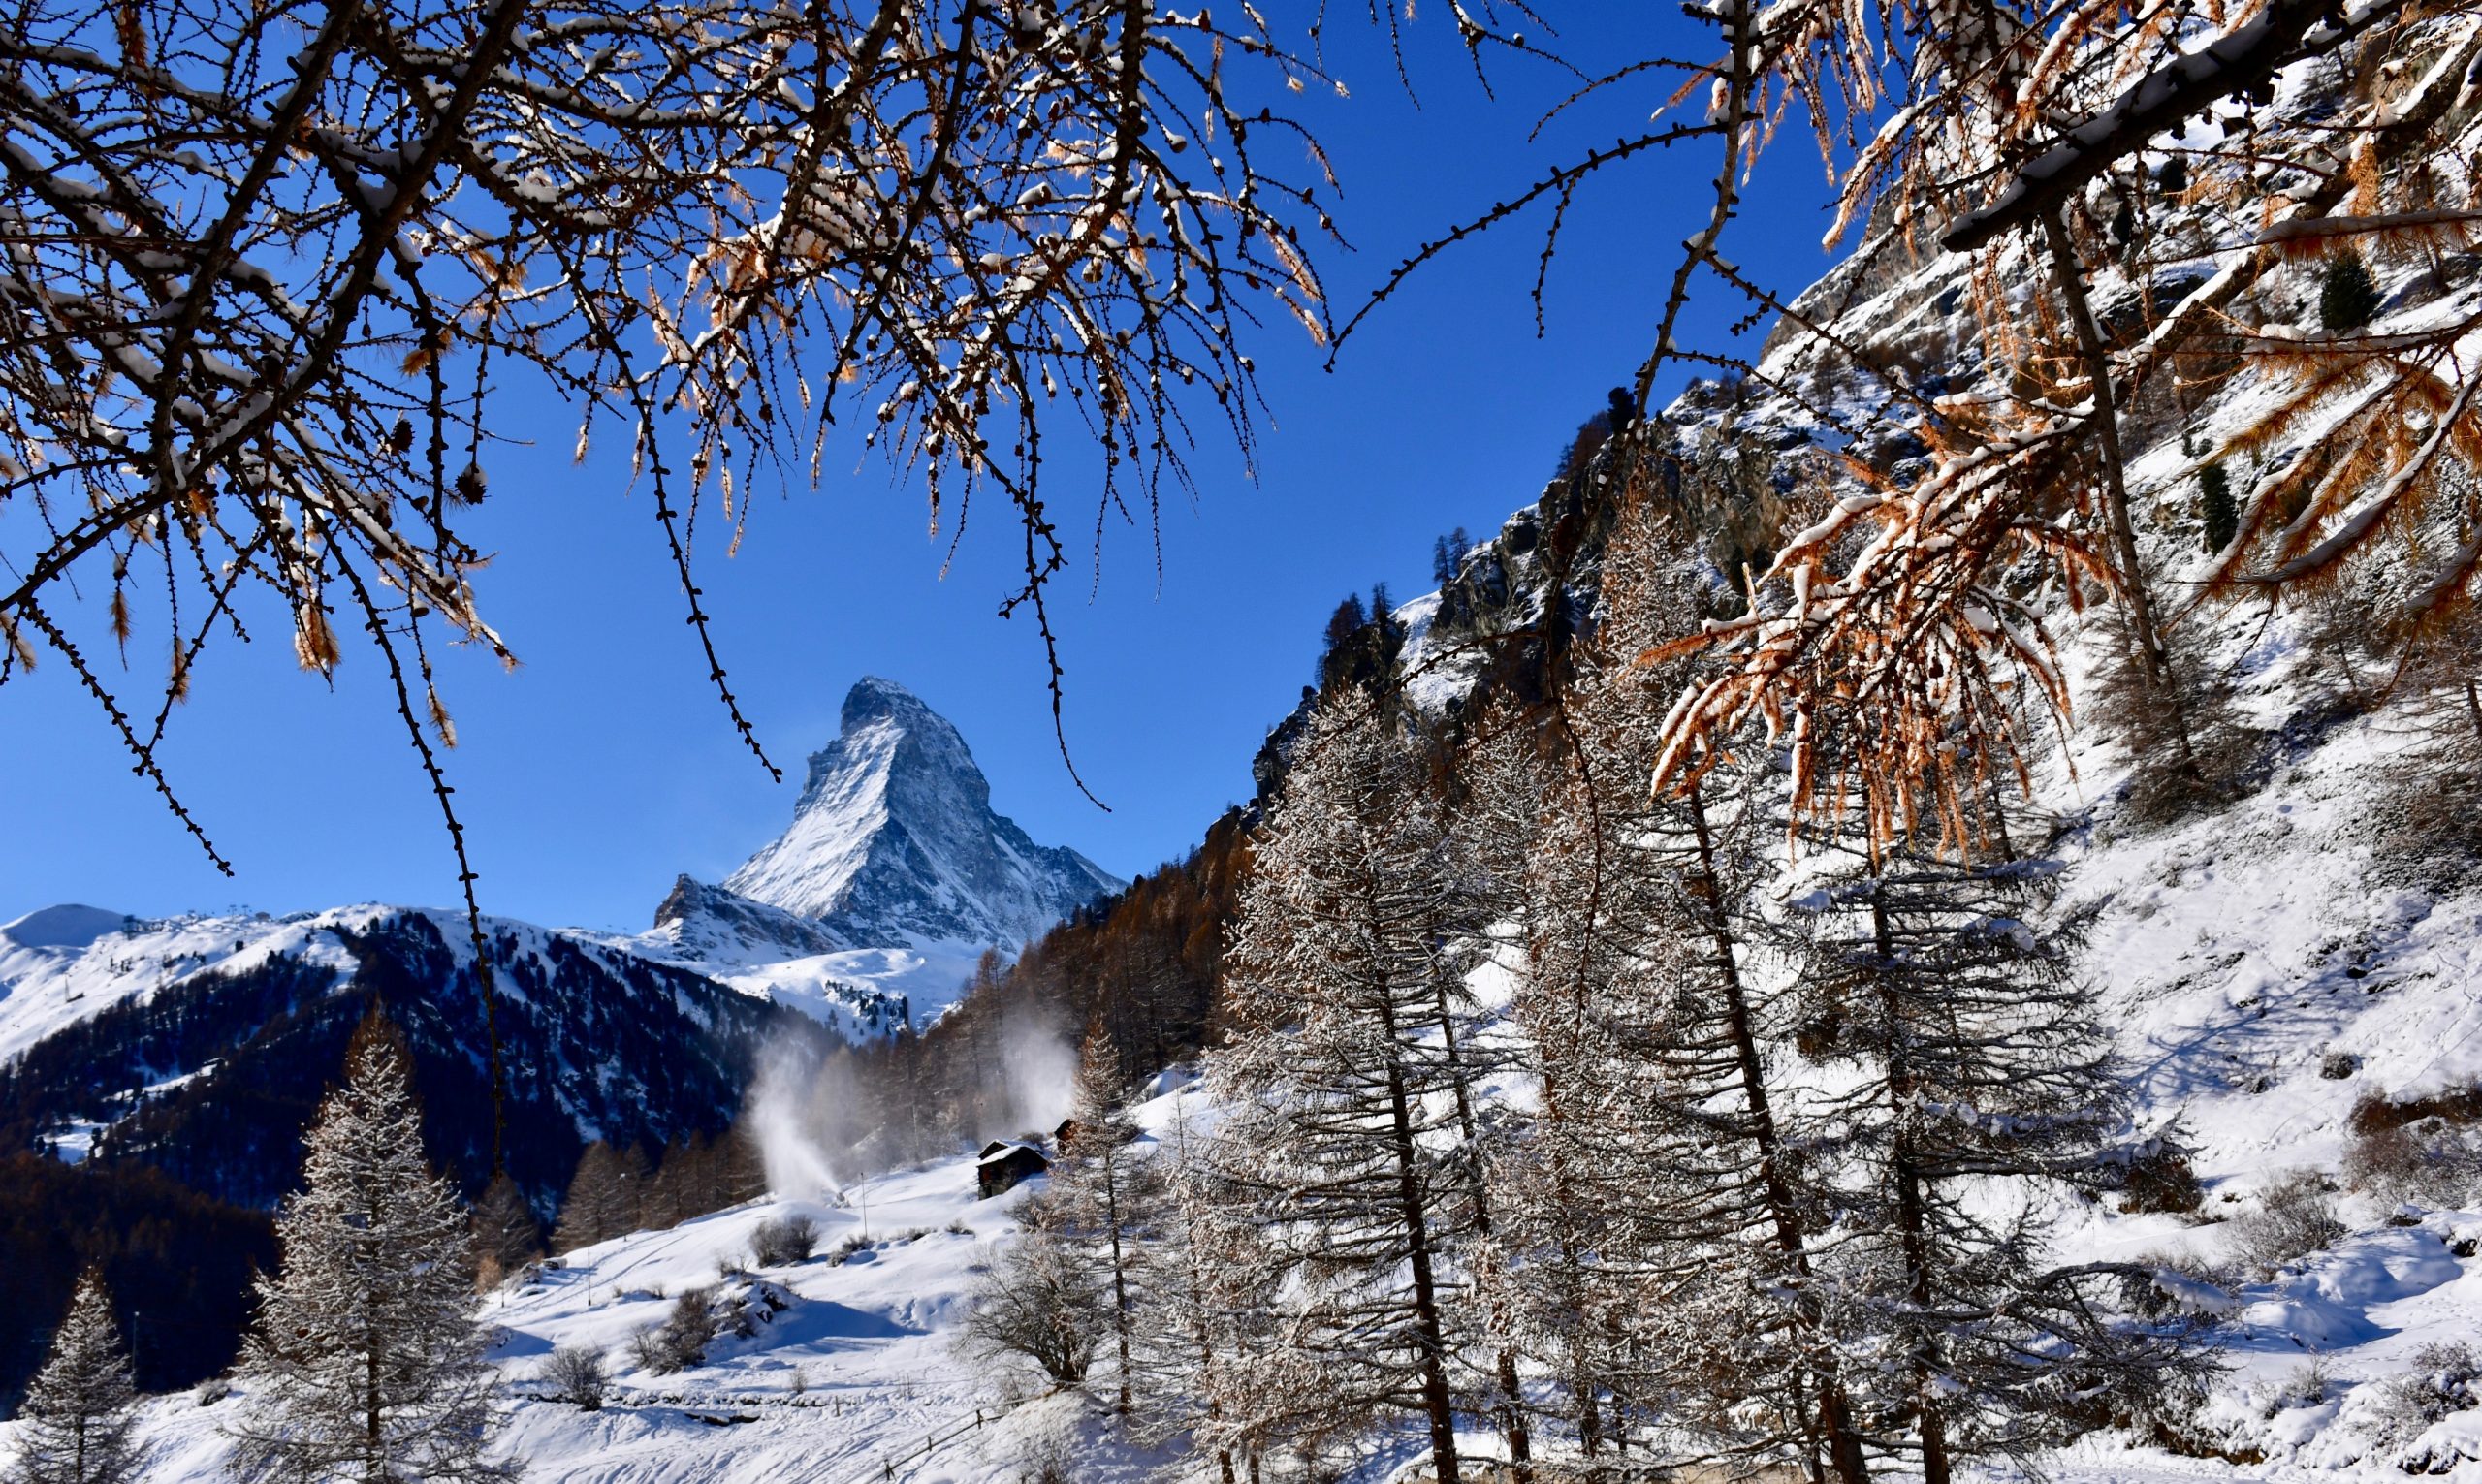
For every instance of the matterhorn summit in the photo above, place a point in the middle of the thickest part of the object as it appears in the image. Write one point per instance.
(894, 876)
(894, 840)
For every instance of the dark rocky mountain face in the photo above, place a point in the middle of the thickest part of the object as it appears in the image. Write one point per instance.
(211, 1079)
(894, 840)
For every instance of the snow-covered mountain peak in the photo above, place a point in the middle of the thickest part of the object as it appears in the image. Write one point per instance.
(69, 925)
(894, 840)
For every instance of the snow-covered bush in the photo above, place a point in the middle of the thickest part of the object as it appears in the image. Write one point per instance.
(2445, 1379)
(2295, 1216)
(2181, 1282)
(2305, 1387)
(574, 1374)
(780, 1241)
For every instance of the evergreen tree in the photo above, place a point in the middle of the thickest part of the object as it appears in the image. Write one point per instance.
(1337, 653)
(75, 1424)
(2222, 512)
(2348, 293)
(367, 1363)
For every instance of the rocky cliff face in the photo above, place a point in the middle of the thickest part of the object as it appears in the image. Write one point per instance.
(894, 841)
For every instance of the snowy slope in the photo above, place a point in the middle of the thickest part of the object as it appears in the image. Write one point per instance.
(854, 1368)
(60, 964)
(2266, 967)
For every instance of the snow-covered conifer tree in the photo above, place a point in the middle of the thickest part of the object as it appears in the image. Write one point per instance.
(75, 1424)
(1342, 1156)
(1981, 1080)
(367, 1363)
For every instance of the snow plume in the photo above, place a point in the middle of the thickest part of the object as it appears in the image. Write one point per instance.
(822, 1121)
(1038, 1059)
(796, 1112)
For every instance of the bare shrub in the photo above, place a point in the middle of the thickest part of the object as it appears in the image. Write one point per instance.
(1042, 1299)
(2295, 1216)
(574, 1374)
(647, 1351)
(2305, 1387)
(781, 1241)
(2432, 1161)
(1047, 1459)
(680, 1341)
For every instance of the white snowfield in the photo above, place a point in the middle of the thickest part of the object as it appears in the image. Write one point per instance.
(852, 1369)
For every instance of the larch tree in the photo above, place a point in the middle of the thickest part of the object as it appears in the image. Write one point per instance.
(506, 1235)
(1194, 1306)
(1664, 1222)
(366, 1363)
(1344, 1154)
(1982, 1087)
(601, 1202)
(1111, 1192)
(76, 1424)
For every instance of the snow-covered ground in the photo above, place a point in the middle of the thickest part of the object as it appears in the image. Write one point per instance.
(852, 1369)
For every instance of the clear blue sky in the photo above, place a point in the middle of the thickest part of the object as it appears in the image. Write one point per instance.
(603, 767)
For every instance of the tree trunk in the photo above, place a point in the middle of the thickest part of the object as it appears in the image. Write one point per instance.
(1834, 1410)
(1428, 1328)
(2153, 660)
(1120, 1269)
(2473, 706)
(1905, 1166)
(1511, 1407)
